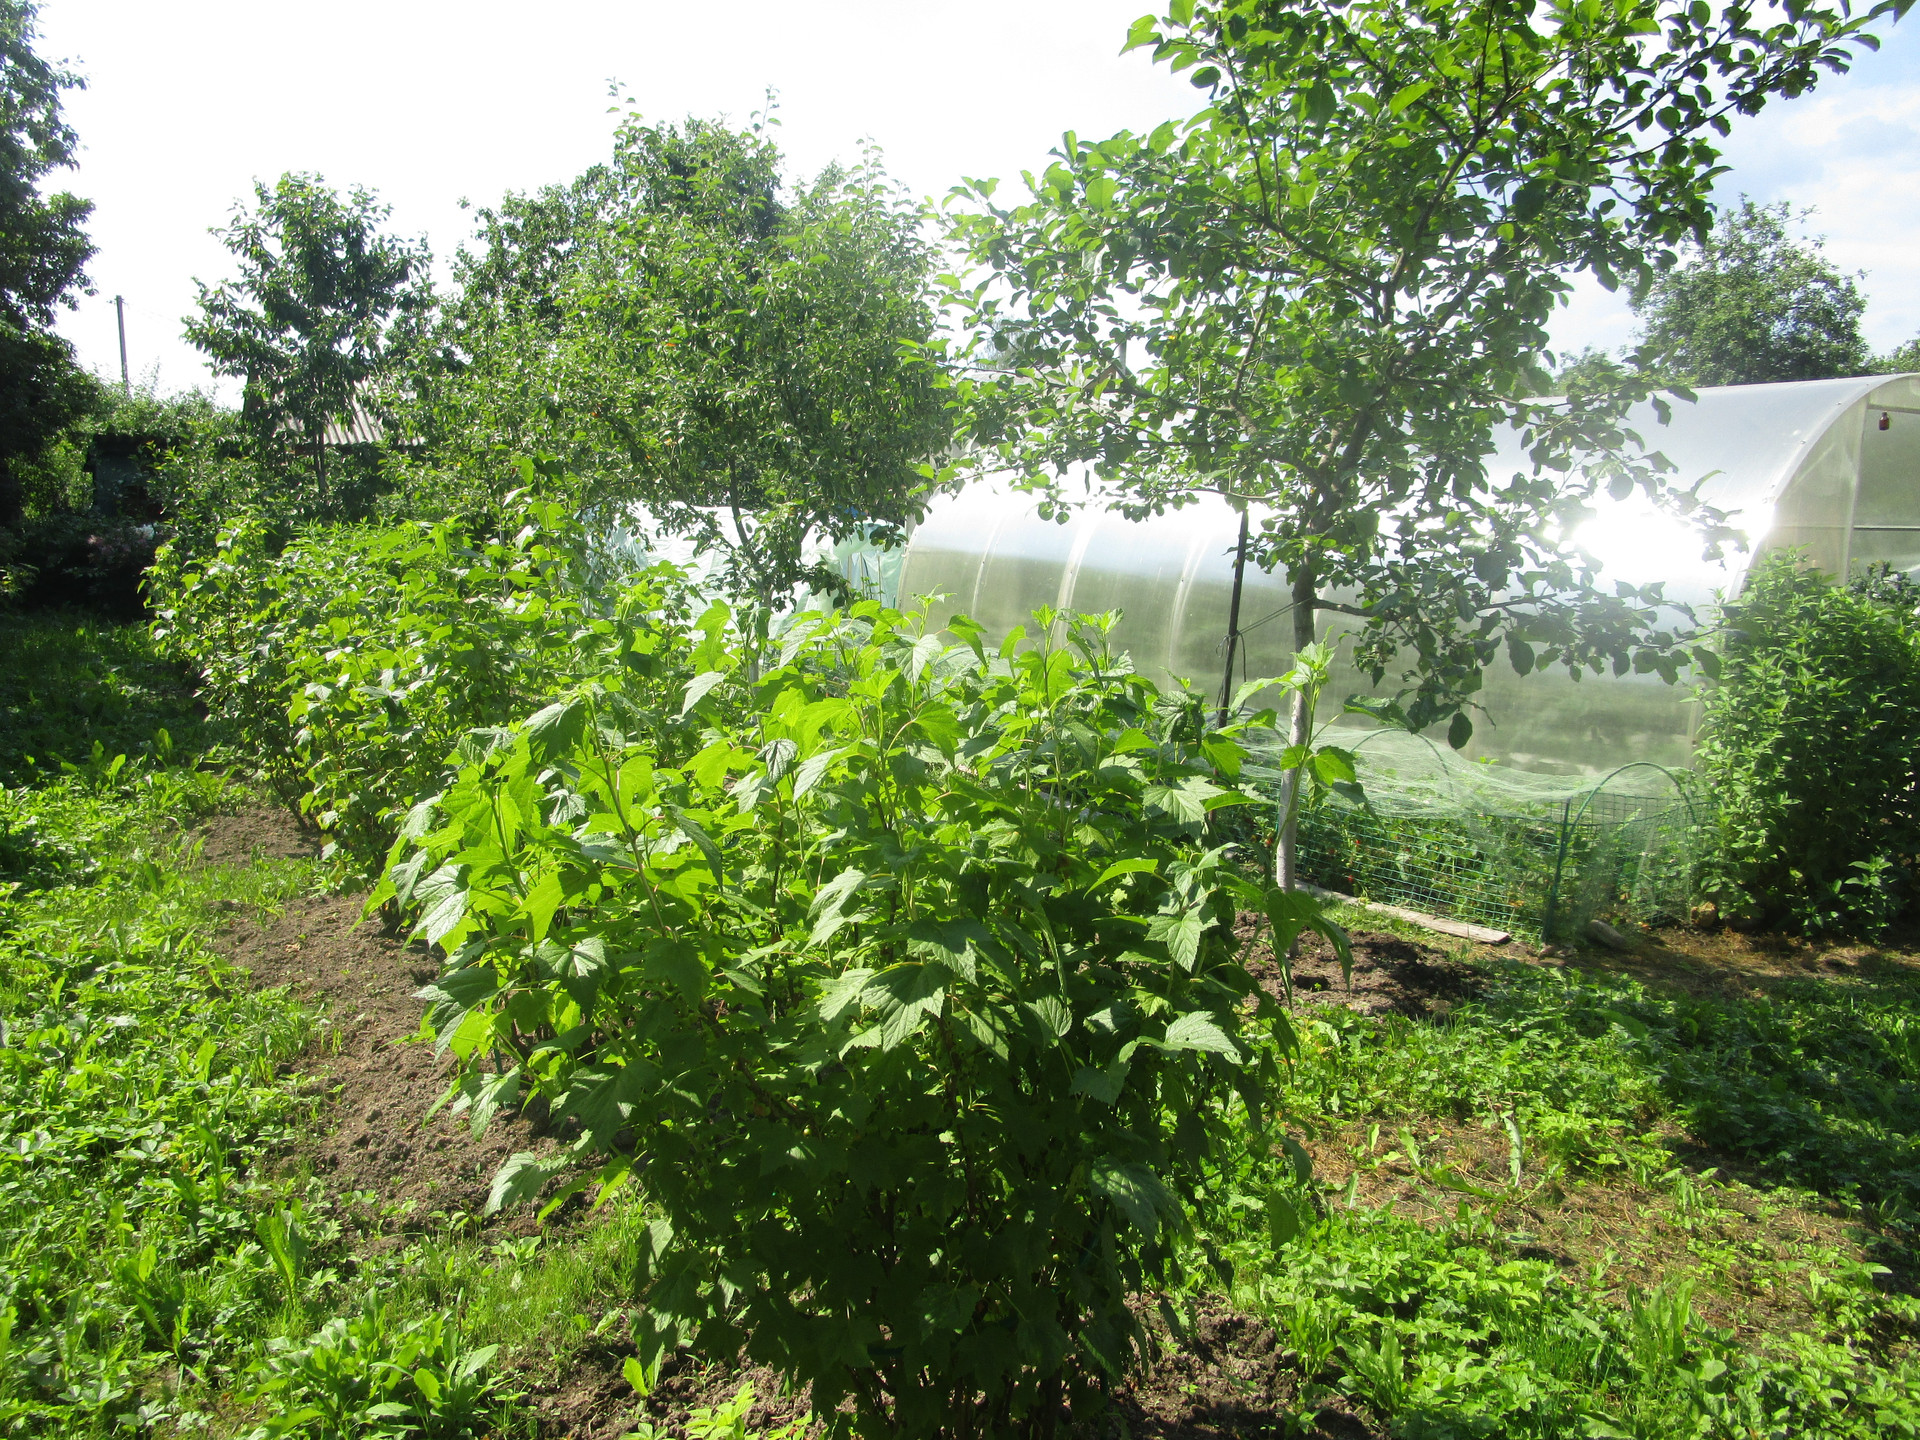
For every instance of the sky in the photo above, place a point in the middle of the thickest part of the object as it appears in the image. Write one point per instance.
(431, 104)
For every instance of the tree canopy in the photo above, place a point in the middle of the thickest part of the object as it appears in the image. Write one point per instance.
(44, 250)
(683, 329)
(324, 304)
(1322, 294)
(1750, 303)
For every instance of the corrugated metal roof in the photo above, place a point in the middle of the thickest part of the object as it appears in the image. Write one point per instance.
(357, 427)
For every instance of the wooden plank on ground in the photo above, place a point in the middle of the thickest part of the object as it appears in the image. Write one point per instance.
(1482, 934)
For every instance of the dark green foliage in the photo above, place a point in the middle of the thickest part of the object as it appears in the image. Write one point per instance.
(1901, 360)
(153, 1268)
(1749, 304)
(1811, 742)
(1816, 1087)
(71, 685)
(685, 329)
(912, 999)
(1325, 292)
(43, 252)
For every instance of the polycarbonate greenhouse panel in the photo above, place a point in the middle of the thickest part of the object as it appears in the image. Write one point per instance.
(1832, 466)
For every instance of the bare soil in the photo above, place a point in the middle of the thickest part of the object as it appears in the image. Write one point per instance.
(1391, 974)
(1726, 963)
(1228, 1377)
(379, 1077)
(260, 832)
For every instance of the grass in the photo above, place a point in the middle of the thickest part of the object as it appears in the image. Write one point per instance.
(1586, 1205)
(1580, 1204)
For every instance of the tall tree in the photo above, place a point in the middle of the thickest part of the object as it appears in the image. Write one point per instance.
(1323, 293)
(324, 304)
(1900, 360)
(685, 330)
(44, 250)
(1749, 303)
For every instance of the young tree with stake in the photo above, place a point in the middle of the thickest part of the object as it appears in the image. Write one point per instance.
(1322, 294)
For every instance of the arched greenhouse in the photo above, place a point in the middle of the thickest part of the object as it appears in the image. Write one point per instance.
(1829, 466)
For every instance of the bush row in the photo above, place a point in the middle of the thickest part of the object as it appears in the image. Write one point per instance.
(903, 976)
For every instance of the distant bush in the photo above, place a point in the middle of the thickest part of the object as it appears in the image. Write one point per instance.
(349, 662)
(1811, 744)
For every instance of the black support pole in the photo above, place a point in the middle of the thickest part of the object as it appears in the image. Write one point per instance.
(1233, 618)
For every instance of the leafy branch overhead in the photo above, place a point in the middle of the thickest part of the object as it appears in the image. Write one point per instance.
(1326, 292)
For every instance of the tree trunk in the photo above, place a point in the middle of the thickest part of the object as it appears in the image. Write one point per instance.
(1305, 615)
(319, 438)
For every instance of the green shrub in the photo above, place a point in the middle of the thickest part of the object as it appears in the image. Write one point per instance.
(351, 661)
(913, 999)
(1810, 742)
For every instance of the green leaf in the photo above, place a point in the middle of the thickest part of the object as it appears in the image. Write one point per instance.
(1199, 1030)
(1283, 1221)
(1181, 934)
(691, 828)
(842, 991)
(520, 1179)
(546, 897)
(925, 651)
(1137, 865)
(443, 917)
(556, 730)
(1297, 1156)
(698, 687)
(672, 961)
(1136, 1191)
(1407, 94)
(1185, 802)
(1460, 731)
(1333, 765)
(638, 1376)
(812, 769)
(1105, 1085)
(1048, 1018)
(906, 995)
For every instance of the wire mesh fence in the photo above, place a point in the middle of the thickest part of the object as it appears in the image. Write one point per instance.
(1537, 855)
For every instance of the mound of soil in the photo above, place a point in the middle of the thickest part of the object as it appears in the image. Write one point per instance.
(1391, 975)
(380, 1078)
(1227, 1377)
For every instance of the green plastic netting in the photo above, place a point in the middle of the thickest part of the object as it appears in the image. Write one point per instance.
(1539, 855)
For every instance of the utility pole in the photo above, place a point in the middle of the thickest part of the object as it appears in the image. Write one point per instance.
(120, 313)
